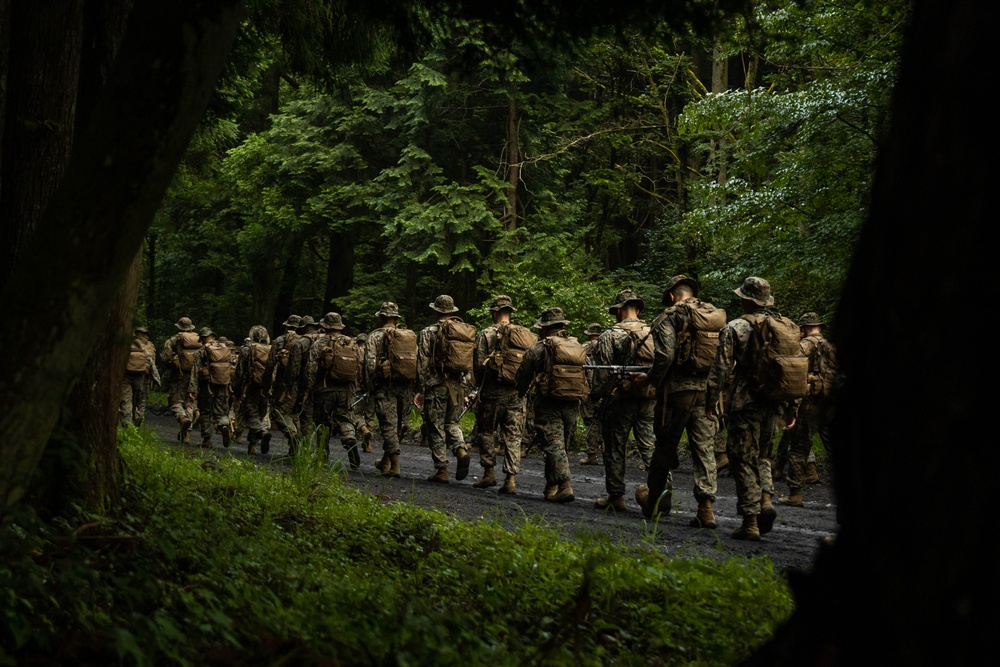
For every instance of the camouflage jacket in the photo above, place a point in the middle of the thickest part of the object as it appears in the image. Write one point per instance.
(663, 373)
(428, 373)
(274, 372)
(533, 365)
(613, 347)
(375, 354)
(298, 359)
(201, 359)
(314, 374)
(728, 378)
(487, 344)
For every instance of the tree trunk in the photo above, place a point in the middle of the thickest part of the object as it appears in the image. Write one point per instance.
(93, 227)
(339, 269)
(514, 162)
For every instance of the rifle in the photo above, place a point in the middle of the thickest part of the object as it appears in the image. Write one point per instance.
(470, 401)
(619, 370)
(359, 399)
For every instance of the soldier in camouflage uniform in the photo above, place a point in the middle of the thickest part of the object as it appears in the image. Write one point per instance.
(298, 356)
(175, 350)
(625, 410)
(364, 412)
(276, 386)
(815, 410)
(499, 407)
(211, 397)
(554, 419)
(251, 399)
(588, 410)
(331, 395)
(680, 406)
(748, 416)
(140, 373)
(441, 394)
(391, 393)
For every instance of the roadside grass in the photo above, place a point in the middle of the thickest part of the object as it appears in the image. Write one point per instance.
(221, 561)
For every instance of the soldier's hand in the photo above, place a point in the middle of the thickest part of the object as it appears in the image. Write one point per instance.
(639, 380)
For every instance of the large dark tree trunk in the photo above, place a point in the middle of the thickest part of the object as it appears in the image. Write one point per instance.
(94, 224)
(912, 577)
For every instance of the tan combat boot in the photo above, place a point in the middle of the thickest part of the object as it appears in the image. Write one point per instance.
(439, 477)
(393, 465)
(366, 439)
(749, 530)
(617, 503)
(487, 479)
(812, 475)
(508, 487)
(590, 460)
(705, 518)
(564, 494)
(721, 461)
(383, 464)
(767, 514)
(184, 435)
(462, 467)
(793, 499)
(642, 500)
(550, 491)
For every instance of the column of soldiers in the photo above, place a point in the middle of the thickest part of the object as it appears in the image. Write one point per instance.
(689, 370)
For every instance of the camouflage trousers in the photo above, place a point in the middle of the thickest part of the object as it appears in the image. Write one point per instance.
(624, 415)
(780, 459)
(441, 410)
(813, 417)
(213, 404)
(748, 444)
(555, 425)
(500, 410)
(284, 417)
(392, 409)
(677, 412)
(253, 412)
(595, 437)
(135, 389)
(332, 409)
(177, 397)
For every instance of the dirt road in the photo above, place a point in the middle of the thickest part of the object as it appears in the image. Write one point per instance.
(792, 544)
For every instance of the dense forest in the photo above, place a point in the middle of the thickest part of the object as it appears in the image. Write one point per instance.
(471, 166)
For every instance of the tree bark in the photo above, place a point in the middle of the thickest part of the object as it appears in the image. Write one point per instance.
(514, 162)
(93, 227)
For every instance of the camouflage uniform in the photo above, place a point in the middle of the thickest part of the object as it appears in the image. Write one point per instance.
(212, 398)
(588, 409)
(499, 406)
(555, 420)
(680, 406)
(298, 357)
(623, 412)
(250, 395)
(364, 412)
(281, 395)
(331, 399)
(178, 380)
(442, 397)
(748, 417)
(392, 397)
(139, 374)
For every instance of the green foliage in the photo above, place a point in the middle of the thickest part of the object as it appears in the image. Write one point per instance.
(225, 562)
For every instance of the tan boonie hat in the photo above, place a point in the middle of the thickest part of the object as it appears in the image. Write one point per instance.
(623, 297)
(811, 319)
(388, 309)
(680, 279)
(184, 324)
(292, 321)
(757, 290)
(332, 321)
(594, 329)
(444, 304)
(549, 317)
(502, 301)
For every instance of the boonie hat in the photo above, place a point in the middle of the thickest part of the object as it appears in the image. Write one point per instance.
(623, 297)
(679, 279)
(205, 331)
(332, 321)
(810, 319)
(292, 321)
(549, 317)
(444, 304)
(594, 329)
(502, 301)
(388, 309)
(757, 290)
(184, 324)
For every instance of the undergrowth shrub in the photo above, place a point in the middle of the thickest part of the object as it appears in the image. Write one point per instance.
(221, 561)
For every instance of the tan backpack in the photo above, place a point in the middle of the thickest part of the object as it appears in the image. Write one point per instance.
(698, 335)
(138, 362)
(775, 365)
(283, 353)
(400, 354)
(514, 341)
(455, 345)
(259, 353)
(220, 363)
(822, 368)
(641, 347)
(188, 343)
(340, 360)
(564, 377)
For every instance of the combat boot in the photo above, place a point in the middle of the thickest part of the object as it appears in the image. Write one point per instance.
(721, 461)
(550, 491)
(226, 436)
(508, 487)
(767, 514)
(749, 530)
(564, 494)
(617, 503)
(383, 464)
(251, 449)
(705, 518)
(237, 437)
(793, 499)
(462, 467)
(590, 460)
(642, 500)
(366, 439)
(265, 442)
(393, 465)
(487, 479)
(812, 475)
(439, 477)
(184, 435)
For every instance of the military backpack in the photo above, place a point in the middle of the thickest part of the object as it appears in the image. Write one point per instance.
(822, 368)
(340, 360)
(698, 335)
(513, 341)
(455, 345)
(640, 354)
(285, 351)
(776, 367)
(219, 369)
(138, 359)
(564, 377)
(188, 343)
(400, 354)
(259, 353)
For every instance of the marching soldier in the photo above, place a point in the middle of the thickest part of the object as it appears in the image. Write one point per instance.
(140, 373)
(177, 356)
